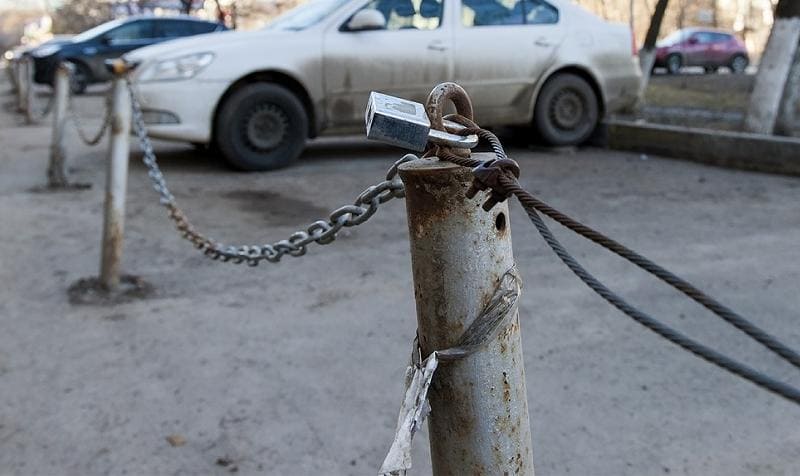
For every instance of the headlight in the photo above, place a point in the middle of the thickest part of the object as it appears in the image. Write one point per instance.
(182, 67)
(45, 51)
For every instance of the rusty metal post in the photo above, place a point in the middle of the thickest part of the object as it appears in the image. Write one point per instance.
(479, 412)
(56, 170)
(116, 184)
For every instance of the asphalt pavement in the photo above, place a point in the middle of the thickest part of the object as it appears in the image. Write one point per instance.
(297, 368)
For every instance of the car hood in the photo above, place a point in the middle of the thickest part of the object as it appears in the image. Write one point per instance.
(209, 42)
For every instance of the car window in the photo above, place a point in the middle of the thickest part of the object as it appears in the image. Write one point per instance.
(703, 37)
(198, 27)
(409, 14)
(538, 12)
(507, 12)
(132, 31)
(492, 12)
(99, 30)
(173, 28)
(720, 37)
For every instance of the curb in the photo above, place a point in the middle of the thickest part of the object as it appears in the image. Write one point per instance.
(740, 150)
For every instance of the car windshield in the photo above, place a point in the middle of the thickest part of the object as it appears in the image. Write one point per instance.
(96, 31)
(673, 38)
(306, 15)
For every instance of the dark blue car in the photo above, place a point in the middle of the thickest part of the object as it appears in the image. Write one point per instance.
(89, 50)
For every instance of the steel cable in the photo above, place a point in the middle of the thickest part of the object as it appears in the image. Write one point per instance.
(528, 201)
(764, 381)
(509, 185)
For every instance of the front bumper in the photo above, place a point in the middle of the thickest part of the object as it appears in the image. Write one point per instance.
(180, 110)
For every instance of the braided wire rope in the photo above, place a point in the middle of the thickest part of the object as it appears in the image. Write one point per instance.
(508, 185)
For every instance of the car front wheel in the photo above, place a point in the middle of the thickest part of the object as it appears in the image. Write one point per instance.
(261, 126)
(566, 111)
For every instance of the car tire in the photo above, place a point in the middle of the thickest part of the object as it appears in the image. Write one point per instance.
(567, 110)
(674, 63)
(261, 126)
(738, 64)
(80, 77)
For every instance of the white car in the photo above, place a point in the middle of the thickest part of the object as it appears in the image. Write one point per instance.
(260, 95)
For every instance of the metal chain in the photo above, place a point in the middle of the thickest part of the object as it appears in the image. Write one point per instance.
(86, 138)
(322, 232)
(35, 118)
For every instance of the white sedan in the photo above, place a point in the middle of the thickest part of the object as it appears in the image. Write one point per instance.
(260, 95)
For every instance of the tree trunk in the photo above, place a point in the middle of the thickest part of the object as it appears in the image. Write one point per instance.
(775, 89)
(647, 55)
(715, 13)
(788, 121)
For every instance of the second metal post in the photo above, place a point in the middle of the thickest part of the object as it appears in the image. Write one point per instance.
(479, 411)
(116, 185)
(56, 170)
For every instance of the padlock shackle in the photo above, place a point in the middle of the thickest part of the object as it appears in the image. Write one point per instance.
(434, 106)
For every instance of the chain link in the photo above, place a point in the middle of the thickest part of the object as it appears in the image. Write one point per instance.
(322, 232)
(79, 126)
(35, 118)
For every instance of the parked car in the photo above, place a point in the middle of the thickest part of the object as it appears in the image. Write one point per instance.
(21, 51)
(88, 50)
(710, 49)
(546, 64)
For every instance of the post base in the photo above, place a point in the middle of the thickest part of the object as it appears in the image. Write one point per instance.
(56, 188)
(91, 292)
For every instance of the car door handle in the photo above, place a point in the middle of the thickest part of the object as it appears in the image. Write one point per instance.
(437, 46)
(541, 41)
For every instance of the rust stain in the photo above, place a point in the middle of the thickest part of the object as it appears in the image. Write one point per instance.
(116, 124)
(432, 200)
(506, 388)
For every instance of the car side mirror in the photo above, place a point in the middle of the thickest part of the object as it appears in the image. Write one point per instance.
(693, 41)
(106, 40)
(367, 19)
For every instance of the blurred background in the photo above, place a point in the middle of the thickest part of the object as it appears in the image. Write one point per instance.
(34, 21)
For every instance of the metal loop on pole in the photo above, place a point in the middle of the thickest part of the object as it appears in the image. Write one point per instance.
(437, 99)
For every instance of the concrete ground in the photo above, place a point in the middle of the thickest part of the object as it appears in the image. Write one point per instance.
(296, 368)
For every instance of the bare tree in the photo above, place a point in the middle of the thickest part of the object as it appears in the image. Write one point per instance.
(74, 16)
(647, 55)
(775, 92)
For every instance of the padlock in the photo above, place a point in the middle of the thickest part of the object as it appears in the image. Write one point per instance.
(404, 123)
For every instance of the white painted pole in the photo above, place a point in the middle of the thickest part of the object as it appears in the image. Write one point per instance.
(23, 84)
(119, 150)
(56, 171)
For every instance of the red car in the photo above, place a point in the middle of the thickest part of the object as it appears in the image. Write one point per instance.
(710, 49)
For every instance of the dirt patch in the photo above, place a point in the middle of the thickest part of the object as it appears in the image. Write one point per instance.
(90, 292)
(275, 208)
